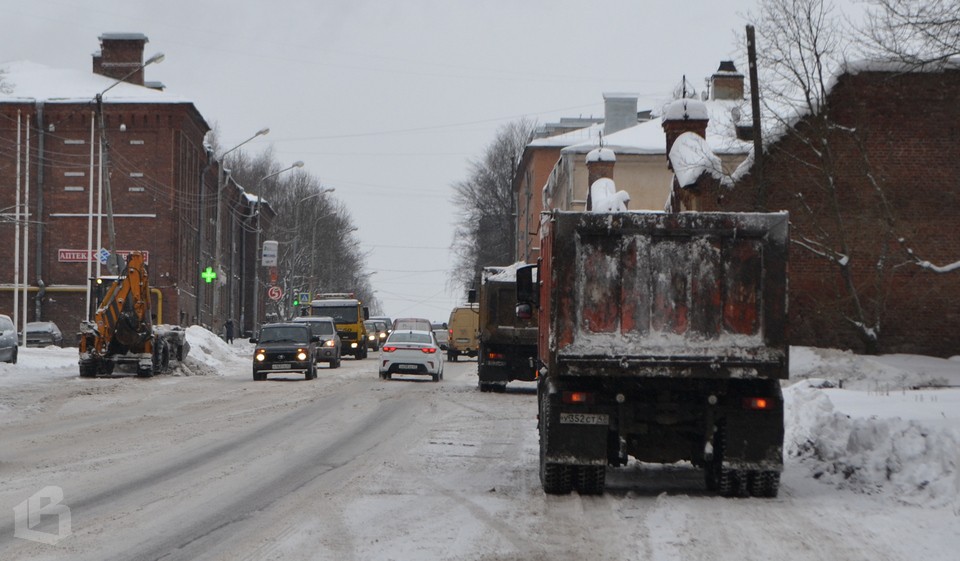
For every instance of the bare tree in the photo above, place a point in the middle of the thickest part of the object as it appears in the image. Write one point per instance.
(918, 33)
(801, 51)
(318, 248)
(485, 202)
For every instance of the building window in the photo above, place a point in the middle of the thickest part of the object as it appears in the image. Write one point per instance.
(136, 142)
(135, 189)
(74, 141)
(74, 173)
(72, 188)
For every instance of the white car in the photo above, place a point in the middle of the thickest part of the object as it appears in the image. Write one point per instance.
(411, 352)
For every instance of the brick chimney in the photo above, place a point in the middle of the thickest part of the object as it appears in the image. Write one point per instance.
(600, 162)
(726, 82)
(684, 115)
(119, 55)
(619, 112)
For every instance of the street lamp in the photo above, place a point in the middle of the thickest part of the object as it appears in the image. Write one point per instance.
(221, 178)
(105, 180)
(258, 249)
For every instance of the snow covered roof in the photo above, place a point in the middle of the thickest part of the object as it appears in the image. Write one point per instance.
(648, 137)
(591, 134)
(25, 81)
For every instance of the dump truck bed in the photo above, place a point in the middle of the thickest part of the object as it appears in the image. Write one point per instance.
(653, 294)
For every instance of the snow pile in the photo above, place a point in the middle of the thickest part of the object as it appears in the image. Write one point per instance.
(916, 461)
(210, 355)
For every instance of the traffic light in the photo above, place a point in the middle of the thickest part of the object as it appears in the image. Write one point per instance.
(296, 300)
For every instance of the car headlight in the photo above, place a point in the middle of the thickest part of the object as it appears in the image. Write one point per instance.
(330, 343)
(353, 345)
(301, 354)
(370, 338)
(260, 356)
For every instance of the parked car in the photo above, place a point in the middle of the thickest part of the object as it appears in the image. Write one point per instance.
(443, 337)
(8, 340)
(328, 347)
(411, 352)
(43, 334)
(285, 347)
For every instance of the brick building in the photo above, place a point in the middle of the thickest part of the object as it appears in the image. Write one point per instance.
(898, 134)
(164, 182)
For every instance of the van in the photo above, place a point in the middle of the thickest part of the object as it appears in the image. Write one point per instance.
(464, 326)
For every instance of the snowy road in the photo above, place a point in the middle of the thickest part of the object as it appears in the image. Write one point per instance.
(349, 467)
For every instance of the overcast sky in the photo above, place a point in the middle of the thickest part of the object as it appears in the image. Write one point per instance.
(388, 100)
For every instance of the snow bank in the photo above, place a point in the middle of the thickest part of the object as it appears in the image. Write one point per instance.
(915, 461)
(211, 355)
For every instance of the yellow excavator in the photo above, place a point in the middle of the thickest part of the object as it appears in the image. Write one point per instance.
(122, 331)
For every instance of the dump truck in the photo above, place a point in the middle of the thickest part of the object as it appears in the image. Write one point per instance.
(662, 337)
(348, 313)
(507, 344)
(122, 332)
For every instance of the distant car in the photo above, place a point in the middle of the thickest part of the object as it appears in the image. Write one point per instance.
(386, 321)
(373, 334)
(8, 340)
(443, 337)
(411, 352)
(412, 324)
(328, 347)
(285, 347)
(383, 330)
(43, 334)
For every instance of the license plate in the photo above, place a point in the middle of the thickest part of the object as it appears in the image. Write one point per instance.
(407, 367)
(584, 419)
(281, 366)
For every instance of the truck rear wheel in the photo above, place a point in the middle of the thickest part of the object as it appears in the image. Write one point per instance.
(556, 479)
(591, 480)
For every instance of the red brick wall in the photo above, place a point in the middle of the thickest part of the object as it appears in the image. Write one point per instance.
(155, 162)
(908, 126)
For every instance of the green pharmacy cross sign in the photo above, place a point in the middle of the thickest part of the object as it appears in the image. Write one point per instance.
(208, 274)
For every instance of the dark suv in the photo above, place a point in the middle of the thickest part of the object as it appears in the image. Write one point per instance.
(328, 347)
(285, 347)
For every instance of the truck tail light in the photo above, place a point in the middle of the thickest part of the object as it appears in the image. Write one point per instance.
(756, 403)
(577, 397)
(496, 356)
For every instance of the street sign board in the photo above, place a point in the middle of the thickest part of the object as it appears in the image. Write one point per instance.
(275, 292)
(269, 255)
(304, 297)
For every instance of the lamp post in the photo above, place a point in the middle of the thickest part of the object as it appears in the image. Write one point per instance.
(258, 249)
(105, 154)
(221, 179)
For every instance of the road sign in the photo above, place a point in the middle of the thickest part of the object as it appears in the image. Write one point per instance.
(275, 292)
(304, 297)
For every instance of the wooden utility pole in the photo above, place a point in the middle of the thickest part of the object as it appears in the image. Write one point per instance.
(761, 200)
